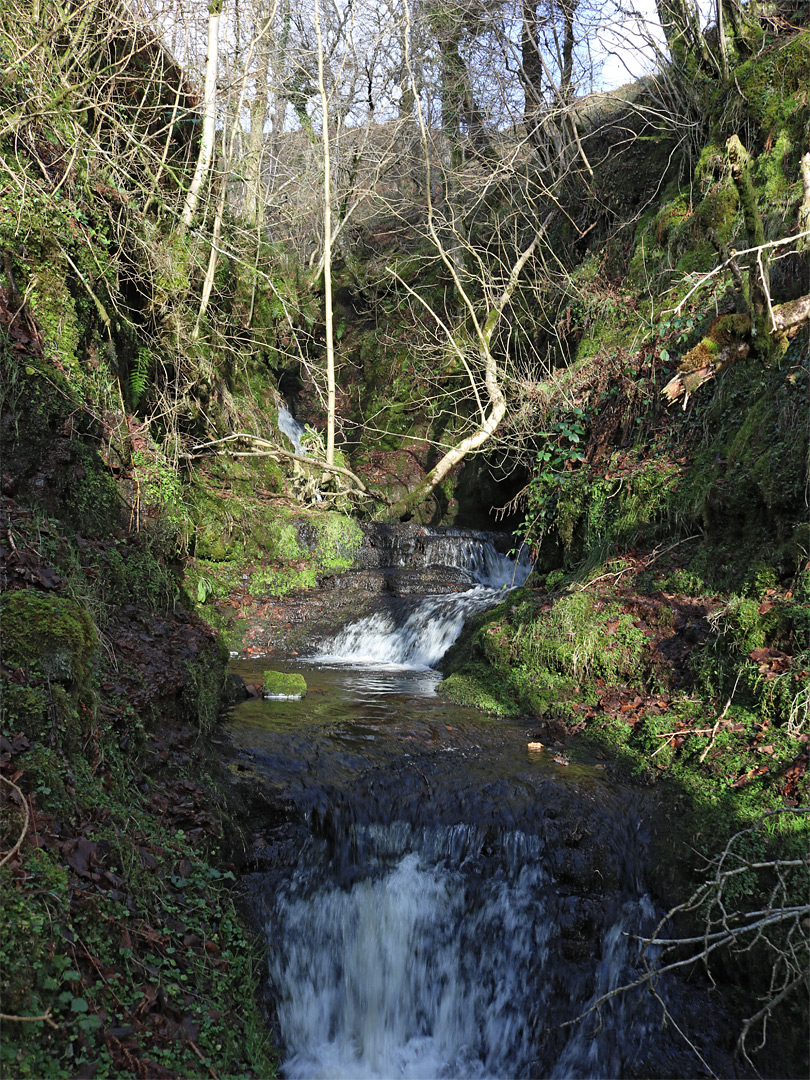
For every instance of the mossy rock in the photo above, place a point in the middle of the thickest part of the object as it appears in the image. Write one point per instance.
(51, 633)
(284, 684)
(476, 693)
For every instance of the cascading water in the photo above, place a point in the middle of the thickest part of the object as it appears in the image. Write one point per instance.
(418, 632)
(438, 901)
(289, 426)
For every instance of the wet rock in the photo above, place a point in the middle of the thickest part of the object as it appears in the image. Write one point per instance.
(235, 689)
(400, 582)
(284, 684)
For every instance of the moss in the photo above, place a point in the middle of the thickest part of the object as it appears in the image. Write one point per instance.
(718, 209)
(23, 706)
(284, 684)
(272, 582)
(477, 691)
(338, 541)
(710, 165)
(774, 84)
(700, 258)
(203, 688)
(53, 307)
(516, 659)
(52, 634)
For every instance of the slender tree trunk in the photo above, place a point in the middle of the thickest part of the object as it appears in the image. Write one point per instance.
(254, 188)
(758, 279)
(209, 116)
(804, 209)
(327, 248)
(497, 402)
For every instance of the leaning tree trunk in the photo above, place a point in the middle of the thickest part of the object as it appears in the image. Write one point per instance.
(491, 420)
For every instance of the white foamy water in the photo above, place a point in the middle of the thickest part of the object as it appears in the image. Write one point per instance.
(398, 984)
(417, 633)
(289, 426)
(435, 965)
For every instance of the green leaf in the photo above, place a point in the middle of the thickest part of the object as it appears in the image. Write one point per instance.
(79, 1005)
(664, 354)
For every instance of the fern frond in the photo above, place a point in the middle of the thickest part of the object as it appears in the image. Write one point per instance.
(139, 376)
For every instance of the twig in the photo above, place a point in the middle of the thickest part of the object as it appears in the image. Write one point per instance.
(45, 1018)
(21, 837)
(720, 719)
(660, 554)
(748, 251)
(612, 573)
(272, 451)
(199, 1054)
(427, 782)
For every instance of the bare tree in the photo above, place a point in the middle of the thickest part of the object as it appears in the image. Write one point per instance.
(714, 924)
(208, 135)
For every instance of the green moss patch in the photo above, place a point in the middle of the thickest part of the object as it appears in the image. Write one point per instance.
(51, 634)
(284, 684)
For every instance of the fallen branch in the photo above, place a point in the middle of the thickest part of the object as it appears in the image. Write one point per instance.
(46, 1018)
(271, 450)
(727, 928)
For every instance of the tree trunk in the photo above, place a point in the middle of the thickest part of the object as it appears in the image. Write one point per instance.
(327, 248)
(497, 402)
(758, 280)
(209, 116)
(803, 243)
(254, 193)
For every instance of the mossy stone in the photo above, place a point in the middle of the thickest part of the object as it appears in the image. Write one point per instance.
(284, 684)
(51, 633)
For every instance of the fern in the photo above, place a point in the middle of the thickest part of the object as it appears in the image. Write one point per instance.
(139, 375)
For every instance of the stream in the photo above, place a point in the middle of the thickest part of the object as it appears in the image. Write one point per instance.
(437, 899)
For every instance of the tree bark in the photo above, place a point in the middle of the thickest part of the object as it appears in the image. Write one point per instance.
(804, 209)
(327, 248)
(758, 282)
(497, 402)
(254, 195)
(209, 116)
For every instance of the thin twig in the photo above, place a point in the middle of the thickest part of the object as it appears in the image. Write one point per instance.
(720, 719)
(272, 450)
(46, 1018)
(21, 837)
(747, 251)
(199, 1054)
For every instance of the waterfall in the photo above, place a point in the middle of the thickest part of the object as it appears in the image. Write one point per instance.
(289, 426)
(441, 959)
(417, 633)
(400, 985)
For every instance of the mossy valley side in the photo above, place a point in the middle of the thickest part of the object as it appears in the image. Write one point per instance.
(151, 511)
